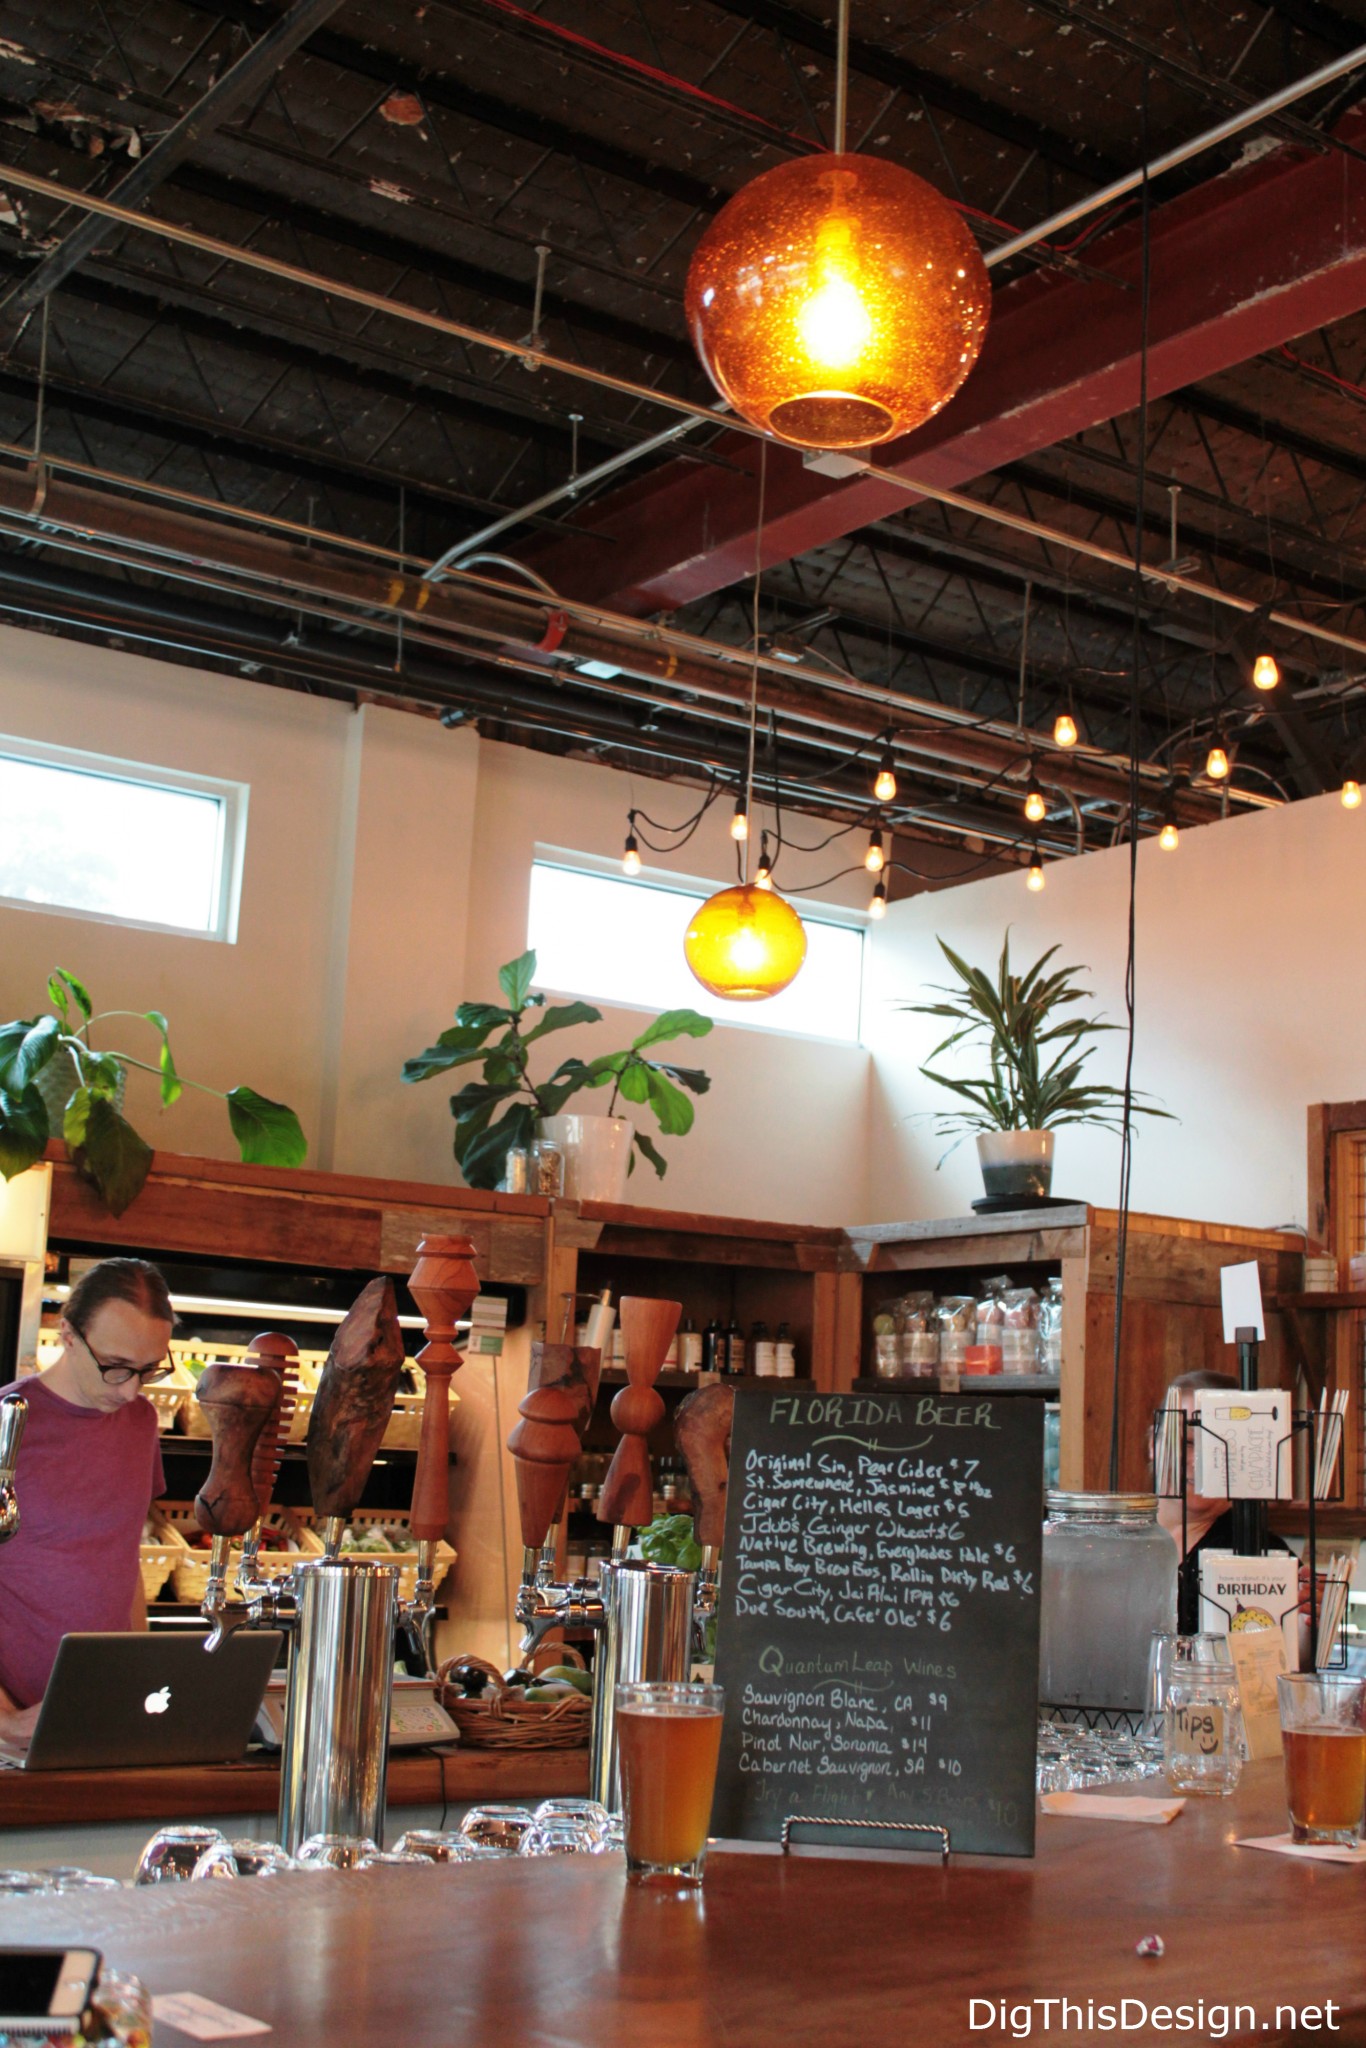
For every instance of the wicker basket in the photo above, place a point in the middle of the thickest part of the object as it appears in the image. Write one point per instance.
(167, 1402)
(501, 1718)
(190, 1567)
(406, 1560)
(156, 1562)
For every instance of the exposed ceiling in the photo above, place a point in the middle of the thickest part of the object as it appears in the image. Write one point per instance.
(239, 461)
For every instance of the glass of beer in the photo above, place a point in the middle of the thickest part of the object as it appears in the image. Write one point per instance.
(668, 1740)
(1323, 1733)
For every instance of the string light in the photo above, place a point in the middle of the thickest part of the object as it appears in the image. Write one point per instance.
(884, 784)
(1216, 761)
(1064, 730)
(630, 853)
(1169, 838)
(763, 873)
(1034, 879)
(1035, 804)
(739, 824)
(878, 906)
(874, 858)
(1351, 795)
(1265, 673)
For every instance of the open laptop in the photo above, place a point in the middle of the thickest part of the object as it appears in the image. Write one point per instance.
(138, 1699)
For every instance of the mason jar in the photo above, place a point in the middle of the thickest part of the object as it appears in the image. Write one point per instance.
(1109, 1581)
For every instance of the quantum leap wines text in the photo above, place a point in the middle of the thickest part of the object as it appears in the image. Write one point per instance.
(879, 1627)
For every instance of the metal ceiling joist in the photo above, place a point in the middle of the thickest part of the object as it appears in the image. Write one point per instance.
(1240, 265)
(251, 70)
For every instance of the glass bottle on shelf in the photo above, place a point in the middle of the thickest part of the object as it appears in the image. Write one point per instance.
(714, 1347)
(785, 1352)
(735, 1349)
(763, 1353)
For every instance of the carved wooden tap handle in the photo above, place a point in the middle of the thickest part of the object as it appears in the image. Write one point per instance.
(241, 1402)
(702, 1427)
(545, 1444)
(443, 1284)
(647, 1331)
(354, 1403)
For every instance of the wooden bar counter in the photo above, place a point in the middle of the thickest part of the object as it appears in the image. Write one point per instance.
(774, 1953)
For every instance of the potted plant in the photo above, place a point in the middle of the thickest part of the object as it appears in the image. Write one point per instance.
(55, 1084)
(1035, 1080)
(507, 1107)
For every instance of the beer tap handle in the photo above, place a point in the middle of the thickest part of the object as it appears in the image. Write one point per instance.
(702, 1431)
(353, 1406)
(13, 1416)
(627, 1498)
(242, 1405)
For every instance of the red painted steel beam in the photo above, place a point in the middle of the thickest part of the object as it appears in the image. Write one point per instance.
(1241, 264)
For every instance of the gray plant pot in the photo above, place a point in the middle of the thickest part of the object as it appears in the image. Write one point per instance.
(1016, 1162)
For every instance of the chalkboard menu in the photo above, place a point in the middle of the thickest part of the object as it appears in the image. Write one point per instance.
(879, 1626)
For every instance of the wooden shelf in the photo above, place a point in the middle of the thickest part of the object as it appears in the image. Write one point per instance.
(965, 1383)
(1354, 1298)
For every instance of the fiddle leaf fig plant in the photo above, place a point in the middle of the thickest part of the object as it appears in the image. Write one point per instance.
(1033, 1077)
(55, 1084)
(500, 1111)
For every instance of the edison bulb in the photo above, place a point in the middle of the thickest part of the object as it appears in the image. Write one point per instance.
(1265, 674)
(1351, 796)
(1216, 764)
(745, 943)
(1036, 810)
(630, 859)
(739, 824)
(1034, 879)
(837, 300)
(1169, 838)
(878, 906)
(1064, 730)
(874, 858)
(884, 785)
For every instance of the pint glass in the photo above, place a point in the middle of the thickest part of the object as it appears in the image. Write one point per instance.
(1323, 1732)
(668, 1741)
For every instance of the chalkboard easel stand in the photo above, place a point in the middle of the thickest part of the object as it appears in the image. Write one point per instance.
(891, 1827)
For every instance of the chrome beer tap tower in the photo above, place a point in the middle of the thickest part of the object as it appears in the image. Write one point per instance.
(646, 1616)
(339, 1612)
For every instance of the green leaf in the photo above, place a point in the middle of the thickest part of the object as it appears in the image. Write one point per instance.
(63, 983)
(635, 1081)
(35, 1048)
(560, 1016)
(103, 1074)
(478, 1095)
(113, 1157)
(669, 1104)
(455, 1048)
(171, 1089)
(76, 1118)
(515, 979)
(267, 1133)
(567, 1079)
(23, 1130)
(483, 1161)
(481, 1016)
(605, 1067)
(672, 1024)
(686, 1077)
(652, 1153)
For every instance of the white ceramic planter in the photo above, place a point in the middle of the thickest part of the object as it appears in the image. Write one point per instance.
(597, 1154)
(1016, 1162)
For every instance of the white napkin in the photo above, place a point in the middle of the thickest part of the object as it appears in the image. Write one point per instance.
(1153, 1813)
(1320, 1852)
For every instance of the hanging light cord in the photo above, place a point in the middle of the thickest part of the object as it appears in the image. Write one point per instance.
(742, 848)
(1126, 1142)
(842, 77)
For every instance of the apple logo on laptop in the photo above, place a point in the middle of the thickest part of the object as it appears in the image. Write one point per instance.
(157, 1702)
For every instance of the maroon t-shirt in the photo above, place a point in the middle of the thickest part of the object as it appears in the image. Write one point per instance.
(85, 1480)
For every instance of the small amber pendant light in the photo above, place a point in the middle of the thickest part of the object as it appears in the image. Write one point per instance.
(745, 943)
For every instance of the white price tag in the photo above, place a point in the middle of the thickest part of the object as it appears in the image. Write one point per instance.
(202, 2019)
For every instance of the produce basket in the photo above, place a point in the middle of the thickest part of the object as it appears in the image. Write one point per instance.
(502, 1718)
(190, 1566)
(404, 1432)
(388, 1519)
(156, 1562)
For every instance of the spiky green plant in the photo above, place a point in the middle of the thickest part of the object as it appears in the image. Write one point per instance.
(1036, 1056)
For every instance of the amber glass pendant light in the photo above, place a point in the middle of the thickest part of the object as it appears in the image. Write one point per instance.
(839, 299)
(747, 942)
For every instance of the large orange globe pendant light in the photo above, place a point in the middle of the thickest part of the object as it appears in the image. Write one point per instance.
(745, 943)
(838, 300)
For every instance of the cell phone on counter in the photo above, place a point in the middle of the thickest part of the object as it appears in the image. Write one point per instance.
(42, 1989)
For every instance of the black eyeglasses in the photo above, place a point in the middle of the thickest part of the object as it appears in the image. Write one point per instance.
(117, 1372)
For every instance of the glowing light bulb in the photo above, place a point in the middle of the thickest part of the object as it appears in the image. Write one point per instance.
(1034, 879)
(1064, 730)
(763, 873)
(1169, 838)
(1351, 796)
(1265, 674)
(630, 858)
(1035, 807)
(739, 824)
(835, 326)
(745, 943)
(1216, 763)
(884, 786)
(878, 905)
(874, 858)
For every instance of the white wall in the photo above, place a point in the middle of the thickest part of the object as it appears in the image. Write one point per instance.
(386, 879)
(1251, 1005)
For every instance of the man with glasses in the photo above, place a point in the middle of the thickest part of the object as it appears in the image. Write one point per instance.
(89, 1469)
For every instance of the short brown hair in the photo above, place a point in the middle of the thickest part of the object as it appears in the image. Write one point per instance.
(130, 1280)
